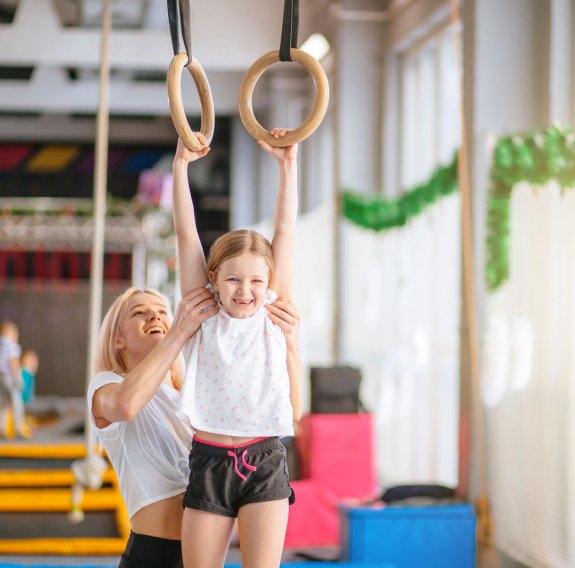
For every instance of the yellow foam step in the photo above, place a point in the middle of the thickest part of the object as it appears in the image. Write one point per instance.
(62, 546)
(43, 477)
(26, 450)
(56, 500)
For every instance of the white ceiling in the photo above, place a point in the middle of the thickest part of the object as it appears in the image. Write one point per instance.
(60, 41)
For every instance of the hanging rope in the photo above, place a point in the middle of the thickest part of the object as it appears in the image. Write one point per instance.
(288, 52)
(174, 78)
(89, 472)
(484, 520)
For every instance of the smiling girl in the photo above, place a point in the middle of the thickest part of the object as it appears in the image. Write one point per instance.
(242, 389)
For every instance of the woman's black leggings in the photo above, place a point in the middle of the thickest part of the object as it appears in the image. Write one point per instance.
(144, 551)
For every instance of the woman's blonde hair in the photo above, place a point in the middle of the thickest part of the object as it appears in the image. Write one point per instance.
(108, 356)
(239, 242)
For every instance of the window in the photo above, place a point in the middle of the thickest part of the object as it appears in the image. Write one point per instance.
(429, 102)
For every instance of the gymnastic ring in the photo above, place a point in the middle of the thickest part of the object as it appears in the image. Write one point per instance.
(179, 119)
(311, 122)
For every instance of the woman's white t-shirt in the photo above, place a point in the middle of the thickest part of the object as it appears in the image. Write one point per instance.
(237, 382)
(149, 453)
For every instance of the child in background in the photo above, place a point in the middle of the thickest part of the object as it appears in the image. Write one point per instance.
(10, 379)
(243, 379)
(28, 370)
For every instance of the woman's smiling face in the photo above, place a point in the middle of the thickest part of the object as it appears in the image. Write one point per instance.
(145, 324)
(242, 282)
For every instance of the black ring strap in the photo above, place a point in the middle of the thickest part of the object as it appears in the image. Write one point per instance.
(290, 27)
(179, 16)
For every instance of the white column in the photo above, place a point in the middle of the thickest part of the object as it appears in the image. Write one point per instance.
(243, 178)
(358, 87)
(139, 265)
(561, 61)
(288, 89)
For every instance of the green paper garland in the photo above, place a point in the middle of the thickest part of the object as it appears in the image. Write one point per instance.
(535, 158)
(378, 213)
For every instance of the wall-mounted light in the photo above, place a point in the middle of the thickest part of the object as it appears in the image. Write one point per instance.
(316, 45)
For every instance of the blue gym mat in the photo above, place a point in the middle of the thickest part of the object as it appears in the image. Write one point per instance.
(286, 565)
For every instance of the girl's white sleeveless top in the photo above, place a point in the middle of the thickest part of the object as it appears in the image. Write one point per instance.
(237, 382)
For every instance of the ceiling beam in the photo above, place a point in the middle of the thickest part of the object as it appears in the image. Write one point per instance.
(50, 90)
(249, 29)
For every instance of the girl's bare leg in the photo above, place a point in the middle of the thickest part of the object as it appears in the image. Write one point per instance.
(205, 538)
(262, 528)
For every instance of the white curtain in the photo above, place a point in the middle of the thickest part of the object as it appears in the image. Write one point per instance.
(401, 327)
(429, 125)
(528, 376)
(400, 313)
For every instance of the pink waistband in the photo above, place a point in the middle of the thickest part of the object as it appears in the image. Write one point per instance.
(231, 446)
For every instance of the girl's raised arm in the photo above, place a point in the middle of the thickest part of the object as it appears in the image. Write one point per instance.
(191, 260)
(285, 216)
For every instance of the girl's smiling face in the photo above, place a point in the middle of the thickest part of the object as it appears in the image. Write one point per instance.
(242, 282)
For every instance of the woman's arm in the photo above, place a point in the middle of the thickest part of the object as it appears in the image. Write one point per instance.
(191, 261)
(285, 216)
(286, 316)
(123, 401)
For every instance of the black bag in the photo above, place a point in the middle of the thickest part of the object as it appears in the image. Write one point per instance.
(335, 390)
(403, 492)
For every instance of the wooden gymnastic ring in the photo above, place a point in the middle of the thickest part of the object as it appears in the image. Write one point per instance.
(311, 122)
(179, 119)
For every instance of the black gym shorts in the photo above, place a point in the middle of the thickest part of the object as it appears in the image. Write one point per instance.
(225, 478)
